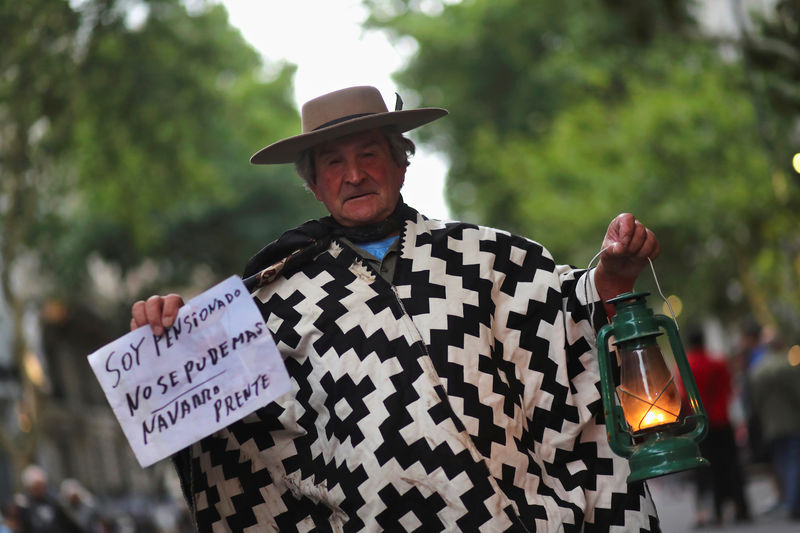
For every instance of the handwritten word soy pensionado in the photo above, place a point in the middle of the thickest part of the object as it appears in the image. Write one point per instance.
(197, 372)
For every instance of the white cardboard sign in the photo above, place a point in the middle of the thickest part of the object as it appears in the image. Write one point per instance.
(215, 365)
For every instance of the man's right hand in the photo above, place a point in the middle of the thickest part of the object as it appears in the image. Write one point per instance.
(158, 311)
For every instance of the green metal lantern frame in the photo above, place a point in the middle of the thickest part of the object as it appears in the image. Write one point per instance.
(659, 450)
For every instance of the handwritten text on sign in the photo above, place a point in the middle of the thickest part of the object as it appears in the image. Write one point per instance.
(215, 365)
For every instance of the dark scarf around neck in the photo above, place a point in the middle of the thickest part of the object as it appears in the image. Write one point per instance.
(297, 246)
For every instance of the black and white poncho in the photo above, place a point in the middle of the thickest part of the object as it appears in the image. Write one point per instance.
(462, 397)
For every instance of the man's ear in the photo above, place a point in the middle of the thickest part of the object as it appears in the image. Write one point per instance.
(313, 188)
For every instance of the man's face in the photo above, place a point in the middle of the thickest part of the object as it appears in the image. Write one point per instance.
(38, 489)
(357, 178)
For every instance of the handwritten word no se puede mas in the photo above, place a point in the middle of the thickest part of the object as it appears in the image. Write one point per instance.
(177, 408)
(191, 367)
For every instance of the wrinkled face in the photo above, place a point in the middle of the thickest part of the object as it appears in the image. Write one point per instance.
(357, 178)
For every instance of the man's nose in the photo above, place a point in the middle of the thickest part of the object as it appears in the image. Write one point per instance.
(353, 173)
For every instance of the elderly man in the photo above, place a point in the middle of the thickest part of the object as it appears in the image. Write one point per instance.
(444, 374)
(37, 511)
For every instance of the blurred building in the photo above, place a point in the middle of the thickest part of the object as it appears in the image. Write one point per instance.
(83, 439)
(80, 437)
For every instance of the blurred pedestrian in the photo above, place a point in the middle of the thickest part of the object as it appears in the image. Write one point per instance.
(775, 389)
(752, 349)
(10, 522)
(724, 479)
(79, 504)
(39, 511)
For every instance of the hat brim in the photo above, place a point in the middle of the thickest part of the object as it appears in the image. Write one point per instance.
(289, 150)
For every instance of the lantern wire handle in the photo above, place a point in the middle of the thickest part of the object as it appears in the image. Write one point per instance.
(655, 278)
(666, 300)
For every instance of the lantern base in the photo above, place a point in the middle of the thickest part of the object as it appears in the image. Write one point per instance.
(664, 454)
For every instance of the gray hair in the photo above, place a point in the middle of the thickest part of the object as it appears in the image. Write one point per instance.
(33, 474)
(400, 147)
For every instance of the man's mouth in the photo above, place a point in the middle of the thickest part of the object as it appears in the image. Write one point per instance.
(358, 196)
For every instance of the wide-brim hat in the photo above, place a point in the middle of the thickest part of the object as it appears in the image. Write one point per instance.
(340, 113)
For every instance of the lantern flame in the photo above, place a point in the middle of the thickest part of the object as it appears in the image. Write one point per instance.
(648, 395)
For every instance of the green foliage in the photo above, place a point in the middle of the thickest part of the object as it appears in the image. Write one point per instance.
(35, 77)
(567, 113)
(129, 142)
(773, 54)
(163, 118)
(170, 137)
(772, 60)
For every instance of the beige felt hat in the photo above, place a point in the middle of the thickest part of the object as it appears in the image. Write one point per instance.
(340, 113)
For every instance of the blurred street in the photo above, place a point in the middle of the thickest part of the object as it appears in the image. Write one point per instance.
(674, 497)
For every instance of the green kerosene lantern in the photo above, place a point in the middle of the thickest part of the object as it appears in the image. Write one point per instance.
(647, 424)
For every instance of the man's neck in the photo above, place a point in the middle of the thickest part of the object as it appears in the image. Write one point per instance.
(393, 225)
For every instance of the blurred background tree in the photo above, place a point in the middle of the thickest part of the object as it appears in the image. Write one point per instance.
(772, 62)
(125, 132)
(35, 74)
(568, 112)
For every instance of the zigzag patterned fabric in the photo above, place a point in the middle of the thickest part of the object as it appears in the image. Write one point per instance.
(462, 397)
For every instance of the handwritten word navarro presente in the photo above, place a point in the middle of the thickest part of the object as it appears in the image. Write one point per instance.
(193, 367)
(117, 364)
(167, 416)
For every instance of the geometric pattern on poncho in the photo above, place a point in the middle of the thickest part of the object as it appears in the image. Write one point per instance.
(461, 397)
